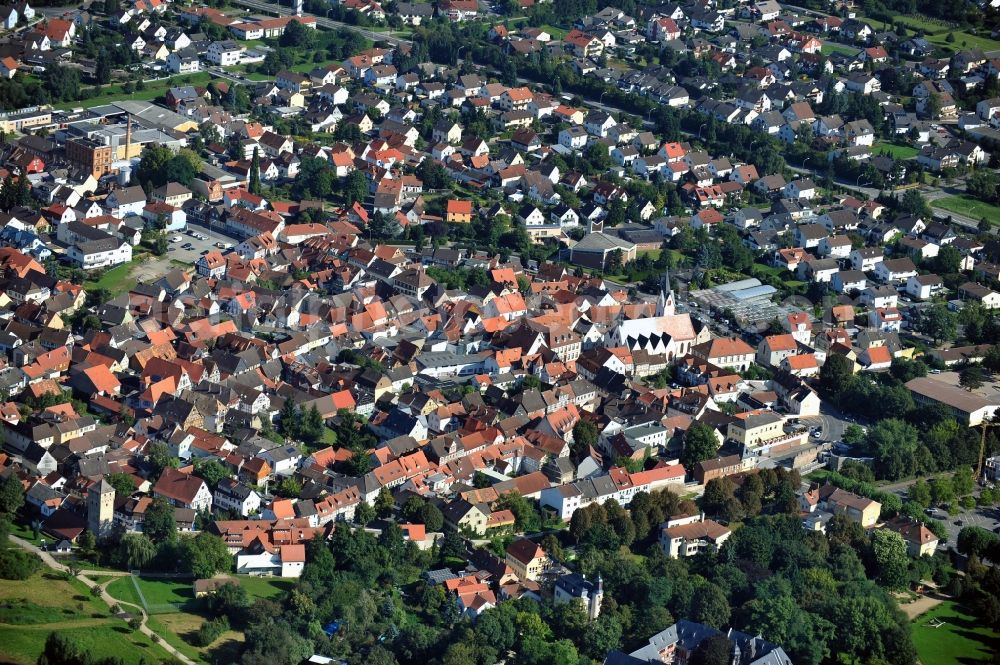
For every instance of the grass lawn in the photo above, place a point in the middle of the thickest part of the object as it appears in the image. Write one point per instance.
(23, 644)
(152, 90)
(936, 32)
(33, 608)
(896, 150)
(963, 40)
(122, 589)
(961, 640)
(265, 587)
(834, 47)
(179, 629)
(25, 532)
(117, 280)
(557, 33)
(165, 592)
(970, 207)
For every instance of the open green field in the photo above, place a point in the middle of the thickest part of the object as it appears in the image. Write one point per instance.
(896, 150)
(179, 630)
(970, 207)
(963, 40)
(936, 32)
(834, 47)
(165, 592)
(33, 608)
(265, 587)
(557, 33)
(116, 280)
(159, 595)
(152, 90)
(960, 641)
(122, 589)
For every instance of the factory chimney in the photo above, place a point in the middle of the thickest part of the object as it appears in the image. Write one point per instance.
(128, 135)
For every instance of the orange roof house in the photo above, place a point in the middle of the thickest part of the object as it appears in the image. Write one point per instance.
(458, 211)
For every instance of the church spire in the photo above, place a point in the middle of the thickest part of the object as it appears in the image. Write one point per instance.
(665, 305)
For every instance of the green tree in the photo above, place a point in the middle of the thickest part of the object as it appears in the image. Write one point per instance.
(384, 502)
(854, 434)
(206, 554)
(700, 443)
(584, 436)
(893, 443)
(938, 322)
(976, 541)
(432, 517)
(972, 377)
(963, 481)
(16, 564)
(11, 496)
(290, 487)
(312, 425)
(710, 606)
(713, 650)
(890, 559)
(288, 419)
(836, 375)
(211, 471)
(254, 185)
(102, 68)
(614, 263)
(920, 493)
(136, 550)
(159, 522)
(364, 514)
(602, 636)
(61, 649)
(355, 187)
(160, 458)
(297, 36)
(942, 490)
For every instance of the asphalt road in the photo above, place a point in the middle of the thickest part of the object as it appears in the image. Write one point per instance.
(870, 192)
(222, 73)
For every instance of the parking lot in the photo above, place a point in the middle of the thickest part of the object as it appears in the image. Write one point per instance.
(177, 251)
(987, 518)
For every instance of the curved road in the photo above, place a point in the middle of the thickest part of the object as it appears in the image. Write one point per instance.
(108, 599)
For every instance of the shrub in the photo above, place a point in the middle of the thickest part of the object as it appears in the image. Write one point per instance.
(210, 631)
(18, 565)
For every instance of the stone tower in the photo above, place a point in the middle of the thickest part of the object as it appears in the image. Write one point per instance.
(101, 509)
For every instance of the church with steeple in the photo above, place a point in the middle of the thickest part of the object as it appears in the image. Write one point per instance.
(665, 305)
(667, 333)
